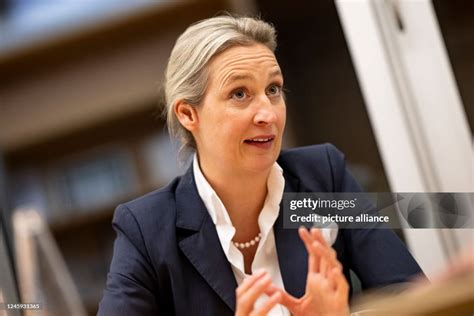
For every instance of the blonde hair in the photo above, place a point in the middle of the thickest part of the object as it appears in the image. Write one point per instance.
(186, 74)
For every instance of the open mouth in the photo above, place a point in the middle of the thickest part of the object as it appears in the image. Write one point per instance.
(260, 141)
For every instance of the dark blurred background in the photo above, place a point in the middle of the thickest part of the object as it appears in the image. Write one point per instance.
(80, 128)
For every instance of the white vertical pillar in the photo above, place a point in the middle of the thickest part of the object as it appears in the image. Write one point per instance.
(414, 107)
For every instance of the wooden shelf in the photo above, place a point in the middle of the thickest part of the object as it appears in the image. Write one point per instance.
(81, 219)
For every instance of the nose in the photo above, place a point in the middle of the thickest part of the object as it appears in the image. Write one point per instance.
(265, 113)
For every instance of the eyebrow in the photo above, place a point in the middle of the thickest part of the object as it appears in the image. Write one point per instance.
(233, 78)
(275, 73)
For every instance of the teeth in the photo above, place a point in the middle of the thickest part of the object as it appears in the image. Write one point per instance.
(260, 139)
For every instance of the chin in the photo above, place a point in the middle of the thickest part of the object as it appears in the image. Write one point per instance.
(262, 163)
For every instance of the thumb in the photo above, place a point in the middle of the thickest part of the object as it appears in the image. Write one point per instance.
(291, 302)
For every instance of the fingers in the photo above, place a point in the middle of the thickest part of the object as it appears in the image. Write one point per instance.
(251, 292)
(341, 294)
(248, 282)
(338, 284)
(318, 287)
(321, 257)
(341, 284)
(325, 275)
(286, 299)
(326, 300)
(305, 237)
(323, 266)
(332, 278)
(317, 235)
(334, 286)
(328, 257)
(268, 305)
(313, 259)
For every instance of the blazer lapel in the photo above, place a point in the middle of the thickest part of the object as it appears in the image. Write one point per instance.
(202, 247)
(292, 255)
(201, 243)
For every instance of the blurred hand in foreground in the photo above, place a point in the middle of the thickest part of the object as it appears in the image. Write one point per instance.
(250, 290)
(327, 291)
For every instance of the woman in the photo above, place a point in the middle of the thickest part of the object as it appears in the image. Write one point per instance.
(212, 241)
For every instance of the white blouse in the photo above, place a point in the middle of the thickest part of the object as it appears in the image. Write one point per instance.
(266, 255)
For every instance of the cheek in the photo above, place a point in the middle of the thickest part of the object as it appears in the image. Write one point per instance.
(223, 128)
(221, 131)
(282, 117)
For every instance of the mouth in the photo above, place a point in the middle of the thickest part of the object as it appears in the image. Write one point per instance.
(261, 141)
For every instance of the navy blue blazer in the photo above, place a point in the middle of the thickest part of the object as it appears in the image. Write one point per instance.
(168, 259)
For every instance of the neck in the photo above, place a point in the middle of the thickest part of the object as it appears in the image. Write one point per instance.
(242, 193)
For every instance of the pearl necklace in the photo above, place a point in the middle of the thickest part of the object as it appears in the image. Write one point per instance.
(248, 244)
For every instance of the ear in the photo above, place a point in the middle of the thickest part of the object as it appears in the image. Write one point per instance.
(187, 115)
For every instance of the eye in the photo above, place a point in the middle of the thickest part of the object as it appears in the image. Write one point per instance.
(239, 94)
(274, 90)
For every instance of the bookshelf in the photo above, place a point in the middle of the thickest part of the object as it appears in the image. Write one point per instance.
(81, 131)
(111, 163)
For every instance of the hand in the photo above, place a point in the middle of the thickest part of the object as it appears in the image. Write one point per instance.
(250, 290)
(327, 290)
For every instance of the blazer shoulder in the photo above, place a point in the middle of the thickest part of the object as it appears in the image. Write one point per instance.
(319, 166)
(155, 206)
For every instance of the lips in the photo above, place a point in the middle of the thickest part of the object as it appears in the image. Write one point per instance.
(261, 141)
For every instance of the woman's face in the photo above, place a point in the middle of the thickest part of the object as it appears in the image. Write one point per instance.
(241, 120)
